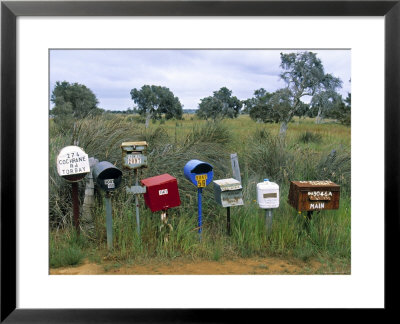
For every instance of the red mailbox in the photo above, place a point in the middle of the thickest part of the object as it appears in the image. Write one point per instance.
(161, 192)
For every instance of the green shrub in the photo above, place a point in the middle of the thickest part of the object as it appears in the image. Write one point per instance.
(310, 137)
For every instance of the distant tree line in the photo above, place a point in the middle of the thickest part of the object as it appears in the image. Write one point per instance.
(302, 72)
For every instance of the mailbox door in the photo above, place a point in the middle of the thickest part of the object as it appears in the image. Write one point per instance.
(231, 198)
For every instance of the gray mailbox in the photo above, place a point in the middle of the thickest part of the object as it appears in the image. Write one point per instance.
(228, 192)
(107, 176)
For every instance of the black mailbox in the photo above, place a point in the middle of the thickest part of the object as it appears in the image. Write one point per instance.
(107, 176)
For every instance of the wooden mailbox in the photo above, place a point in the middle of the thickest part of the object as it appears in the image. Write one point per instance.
(314, 195)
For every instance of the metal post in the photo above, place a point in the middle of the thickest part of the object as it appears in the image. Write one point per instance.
(199, 191)
(75, 206)
(235, 167)
(228, 220)
(137, 203)
(268, 219)
(109, 221)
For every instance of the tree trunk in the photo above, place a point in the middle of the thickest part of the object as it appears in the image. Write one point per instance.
(318, 119)
(147, 119)
(283, 129)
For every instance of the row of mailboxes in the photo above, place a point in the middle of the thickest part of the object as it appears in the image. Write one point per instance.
(162, 191)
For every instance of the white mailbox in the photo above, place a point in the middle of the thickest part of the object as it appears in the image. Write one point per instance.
(267, 194)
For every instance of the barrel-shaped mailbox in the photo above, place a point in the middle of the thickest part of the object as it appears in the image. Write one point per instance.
(267, 194)
(134, 155)
(107, 176)
(228, 192)
(199, 173)
(161, 192)
(314, 195)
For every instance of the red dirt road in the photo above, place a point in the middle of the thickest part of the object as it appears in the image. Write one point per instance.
(240, 266)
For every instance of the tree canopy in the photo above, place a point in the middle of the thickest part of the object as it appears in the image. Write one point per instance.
(73, 101)
(153, 101)
(304, 76)
(221, 104)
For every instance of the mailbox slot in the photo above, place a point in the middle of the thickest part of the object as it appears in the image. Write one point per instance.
(161, 192)
(134, 155)
(107, 176)
(314, 195)
(228, 192)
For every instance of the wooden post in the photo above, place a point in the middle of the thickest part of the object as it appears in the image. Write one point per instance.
(75, 205)
(228, 220)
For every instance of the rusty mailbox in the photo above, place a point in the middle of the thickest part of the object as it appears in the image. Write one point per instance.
(161, 192)
(228, 192)
(314, 195)
(134, 155)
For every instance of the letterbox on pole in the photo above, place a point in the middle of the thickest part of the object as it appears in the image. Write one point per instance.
(73, 163)
(134, 158)
(200, 174)
(227, 193)
(161, 192)
(314, 195)
(73, 166)
(268, 199)
(108, 178)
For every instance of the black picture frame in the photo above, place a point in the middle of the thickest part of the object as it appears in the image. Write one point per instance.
(10, 10)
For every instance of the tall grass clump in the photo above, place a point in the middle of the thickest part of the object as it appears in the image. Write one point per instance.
(268, 155)
(310, 137)
(66, 249)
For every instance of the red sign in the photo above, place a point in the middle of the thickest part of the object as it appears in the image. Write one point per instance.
(161, 192)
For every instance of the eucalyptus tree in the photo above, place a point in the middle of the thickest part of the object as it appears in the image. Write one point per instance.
(220, 105)
(304, 76)
(153, 101)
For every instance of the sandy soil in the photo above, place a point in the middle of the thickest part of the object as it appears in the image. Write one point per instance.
(240, 266)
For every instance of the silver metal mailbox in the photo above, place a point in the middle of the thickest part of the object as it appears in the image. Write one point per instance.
(134, 155)
(228, 192)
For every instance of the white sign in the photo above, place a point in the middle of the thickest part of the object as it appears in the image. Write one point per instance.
(163, 192)
(72, 160)
(110, 183)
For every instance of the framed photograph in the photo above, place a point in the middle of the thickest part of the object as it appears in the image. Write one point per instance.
(37, 40)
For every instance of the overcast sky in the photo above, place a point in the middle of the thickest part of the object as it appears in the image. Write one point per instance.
(190, 74)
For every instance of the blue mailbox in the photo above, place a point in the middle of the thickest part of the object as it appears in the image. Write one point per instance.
(200, 174)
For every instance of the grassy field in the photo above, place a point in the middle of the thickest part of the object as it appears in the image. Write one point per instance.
(310, 152)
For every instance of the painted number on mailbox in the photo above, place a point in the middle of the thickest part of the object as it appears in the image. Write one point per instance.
(110, 183)
(201, 180)
(134, 159)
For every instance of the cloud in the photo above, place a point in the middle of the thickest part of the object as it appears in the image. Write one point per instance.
(190, 74)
